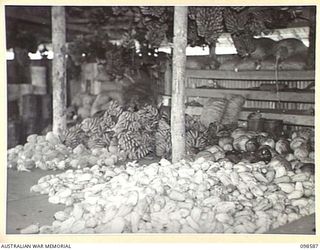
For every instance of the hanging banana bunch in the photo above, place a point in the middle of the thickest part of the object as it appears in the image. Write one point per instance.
(259, 20)
(209, 22)
(237, 8)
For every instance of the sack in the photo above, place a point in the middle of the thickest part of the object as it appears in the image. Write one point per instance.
(213, 111)
(233, 109)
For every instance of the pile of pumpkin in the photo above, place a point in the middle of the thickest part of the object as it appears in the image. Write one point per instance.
(249, 146)
(200, 196)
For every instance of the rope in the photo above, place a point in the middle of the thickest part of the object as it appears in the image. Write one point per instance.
(277, 83)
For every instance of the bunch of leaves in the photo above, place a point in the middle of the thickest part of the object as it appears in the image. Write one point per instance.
(21, 36)
(86, 48)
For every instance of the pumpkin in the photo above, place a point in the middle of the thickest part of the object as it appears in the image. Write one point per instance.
(239, 143)
(251, 134)
(282, 146)
(305, 133)
(228, 147)
(280, 161)
(252, 145)
(268, 142)
(297, 142)
(307, 168)
(264, 154)
(224, 141)
(238, 132)
(291, 157)
(301, 152)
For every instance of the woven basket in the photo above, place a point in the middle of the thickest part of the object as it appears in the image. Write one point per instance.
(213, 111)
(233, 109)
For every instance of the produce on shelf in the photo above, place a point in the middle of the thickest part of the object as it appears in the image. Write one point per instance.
(202, 196)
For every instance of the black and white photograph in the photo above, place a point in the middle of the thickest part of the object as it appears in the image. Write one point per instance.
(160, 120)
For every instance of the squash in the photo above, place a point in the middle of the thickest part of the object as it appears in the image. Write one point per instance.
(224, 141)
(305, 133)
(239, 143)
(238, 132)
(282, 146)
(252, 145)
(297, 142)
(301, 152)
(228, 147)
(268, 142)
(290, 157)
(264, 154)
(279, 161)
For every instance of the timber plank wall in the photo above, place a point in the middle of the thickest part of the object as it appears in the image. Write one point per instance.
(296, 105)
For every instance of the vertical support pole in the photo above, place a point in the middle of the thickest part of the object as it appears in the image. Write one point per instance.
(178, 82)
(59, 69)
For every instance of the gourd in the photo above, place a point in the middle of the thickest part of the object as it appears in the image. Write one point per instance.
(268, 142)
(297, 142)
(264, 154)
(252, 145)
(282, 146)
(279, 161)
(240, 143)
(238, 132)
(301, 152)
(225, 141)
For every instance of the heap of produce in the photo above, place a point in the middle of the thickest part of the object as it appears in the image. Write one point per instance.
(48, 153)
(122, 134)
(186, 197)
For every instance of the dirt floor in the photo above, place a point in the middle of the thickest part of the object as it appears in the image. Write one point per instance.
(25, 208)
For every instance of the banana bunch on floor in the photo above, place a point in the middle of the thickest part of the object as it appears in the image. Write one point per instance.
(196, 136)
(196, 139)
(134, 132)
(163, 139)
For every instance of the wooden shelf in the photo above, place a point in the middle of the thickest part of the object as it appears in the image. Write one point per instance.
(307, 97)
(251, 75)
(292, 118)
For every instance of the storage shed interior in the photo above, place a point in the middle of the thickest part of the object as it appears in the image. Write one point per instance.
(92, 92)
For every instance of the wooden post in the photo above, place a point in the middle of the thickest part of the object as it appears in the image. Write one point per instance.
(178, 79)
(59, 69)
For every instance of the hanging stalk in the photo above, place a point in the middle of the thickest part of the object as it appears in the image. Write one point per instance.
(59, 69)
(178, 82)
